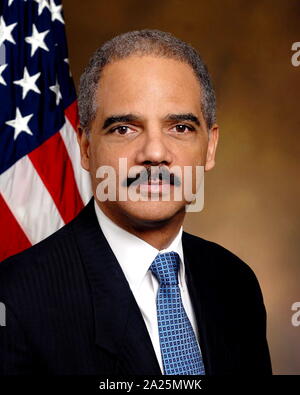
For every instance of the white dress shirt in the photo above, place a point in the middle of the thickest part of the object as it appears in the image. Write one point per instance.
(135, 257)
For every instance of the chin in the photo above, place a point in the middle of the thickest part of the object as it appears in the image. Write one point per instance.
(152, 213)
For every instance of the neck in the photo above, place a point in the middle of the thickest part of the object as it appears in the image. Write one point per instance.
(159, 234)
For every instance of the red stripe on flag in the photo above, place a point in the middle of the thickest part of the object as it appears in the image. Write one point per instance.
(72, 114)
(12, 237)
(53, 164)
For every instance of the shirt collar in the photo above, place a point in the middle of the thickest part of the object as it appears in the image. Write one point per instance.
(134, 254)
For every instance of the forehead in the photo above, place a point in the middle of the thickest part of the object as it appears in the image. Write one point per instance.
(148, 84)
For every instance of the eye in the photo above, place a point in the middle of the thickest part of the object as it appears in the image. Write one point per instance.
(182, 128)
(121, 130)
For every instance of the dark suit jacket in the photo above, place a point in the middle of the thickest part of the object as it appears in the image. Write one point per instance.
(69, 308)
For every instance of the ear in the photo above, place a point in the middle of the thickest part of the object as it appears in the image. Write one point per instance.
(212, 146)
(84, 146)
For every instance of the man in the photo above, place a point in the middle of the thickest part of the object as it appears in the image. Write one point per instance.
(122, 289)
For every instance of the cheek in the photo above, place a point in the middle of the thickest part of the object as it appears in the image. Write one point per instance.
(101, 153)
(195, 156)
(200, 152)
(105, 156)
(202, 156)
(193, 152)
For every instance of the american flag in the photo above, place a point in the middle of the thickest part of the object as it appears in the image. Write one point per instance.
(42, 185)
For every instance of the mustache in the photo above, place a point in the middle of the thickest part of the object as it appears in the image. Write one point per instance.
(152, 173)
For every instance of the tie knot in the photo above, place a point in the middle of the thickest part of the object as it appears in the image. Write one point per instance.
(165, 268)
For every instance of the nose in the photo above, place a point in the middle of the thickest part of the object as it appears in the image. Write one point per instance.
(153, 149)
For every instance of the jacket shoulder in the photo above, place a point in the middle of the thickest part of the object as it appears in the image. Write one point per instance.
(16, 268)
(217, 258)
(60, 239)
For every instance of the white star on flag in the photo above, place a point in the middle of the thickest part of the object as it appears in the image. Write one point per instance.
(66, 60)
(42, 5)
(56, 11)
(37, 40)
(11, 1)
(20, 124)
(5, 31)
(28, 83)
(2, 68)
(56, 90)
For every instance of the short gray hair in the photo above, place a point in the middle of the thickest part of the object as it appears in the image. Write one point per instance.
(142, 42)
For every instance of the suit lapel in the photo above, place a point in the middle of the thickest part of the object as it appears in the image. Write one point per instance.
(202, 298)
(119, 325)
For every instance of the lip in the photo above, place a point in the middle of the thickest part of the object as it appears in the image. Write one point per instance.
(155, 187)
(155, 182)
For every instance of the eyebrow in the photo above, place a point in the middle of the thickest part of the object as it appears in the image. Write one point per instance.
(131, 117)
(119, 118)
(183, 117)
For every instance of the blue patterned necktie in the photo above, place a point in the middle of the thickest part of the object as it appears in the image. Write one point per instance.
(178, 344)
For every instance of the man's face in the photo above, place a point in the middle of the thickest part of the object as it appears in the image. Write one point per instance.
(149, 112)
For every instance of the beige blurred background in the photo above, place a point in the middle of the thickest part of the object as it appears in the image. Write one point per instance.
(252, 196)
